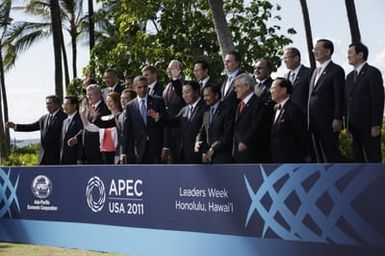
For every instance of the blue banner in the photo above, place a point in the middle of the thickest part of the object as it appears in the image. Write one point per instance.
(302, 208)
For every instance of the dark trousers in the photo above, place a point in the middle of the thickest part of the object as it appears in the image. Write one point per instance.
(326, 146)
(366, 149)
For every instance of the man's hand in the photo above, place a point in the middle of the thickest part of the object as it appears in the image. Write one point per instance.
(375, 131)
(197, 146)
(123, 159)
(242, 147)
(72, 141)
(10, 125)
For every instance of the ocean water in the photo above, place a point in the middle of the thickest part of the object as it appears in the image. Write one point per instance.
(24, 142)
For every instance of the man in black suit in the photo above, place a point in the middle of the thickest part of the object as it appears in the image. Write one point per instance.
(154, 87)
(298, 75)
(262, 72)
(72, 125)
(248, 121)
(145, 139)
(325, 104)
(364, 106)
(201, 73)
(111, 78)
(172, 96)
(50, 126)
(90, 153)
(215, 136)
(232, 64)
(290, 142)
(189, 121)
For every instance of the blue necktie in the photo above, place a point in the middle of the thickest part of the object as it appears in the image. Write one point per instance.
(143, 111)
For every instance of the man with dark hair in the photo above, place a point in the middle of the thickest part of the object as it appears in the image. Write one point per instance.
(189, 120)
(289, 136)
(154, 87)
(364, 97)
(50, 126)
(232, 65)
(111, 78)
(215, 136)
(298, 75)
(325, 104)
(145, 138)
(72, 125)
(201, 73)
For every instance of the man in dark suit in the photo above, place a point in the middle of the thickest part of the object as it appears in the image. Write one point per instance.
(299, 76)
(154, 87)
(189, 121)
(145, 139)
(364, 106)
(215, 136)
(262, 72)
(325, 104)
(201, 73)
(232, 64)
(111, 78)
(50, 126)
(72, 125)
(172, 96)
(248, 121)
(90, 153)
(290, 142)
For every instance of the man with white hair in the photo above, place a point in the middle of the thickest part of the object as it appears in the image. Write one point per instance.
(248, 121)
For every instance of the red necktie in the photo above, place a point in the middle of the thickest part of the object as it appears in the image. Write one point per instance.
(169, 93)
(242, 106)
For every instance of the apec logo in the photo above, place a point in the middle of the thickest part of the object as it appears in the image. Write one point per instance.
(95, 194)
(41, 186)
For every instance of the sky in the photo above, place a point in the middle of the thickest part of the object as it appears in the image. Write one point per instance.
(32, 78)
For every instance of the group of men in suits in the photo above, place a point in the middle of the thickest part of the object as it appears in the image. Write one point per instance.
(245, 119)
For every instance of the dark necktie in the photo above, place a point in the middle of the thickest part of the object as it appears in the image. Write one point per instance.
(355, 75)
(50, 119)
(190, 112)
(143, 111)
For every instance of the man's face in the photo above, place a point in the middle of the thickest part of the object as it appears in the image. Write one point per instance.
(188, 94)
(141, 88)
(110, 79)
(353, 57)
(209, 96)
(230, 63)
(93, 96)
(291, 61)
(241, 89)
(124, 99)
(261, 70)
(50, 105)
(68, 108)
(200, 73)
(321, 54)
(151, 77)
(277, 93)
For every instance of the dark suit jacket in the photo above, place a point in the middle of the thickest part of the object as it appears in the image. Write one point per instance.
(69, 155)
(247, 129)
(176, 102)
(189, 129)
(137, 136)
(219, 134)
(230, 99)
(158, 90)
(365, 98)
(91, 145)
(49, 150)
(119, 88)
(300, 92)
(290, 141)
(211, 82)
(326, 100)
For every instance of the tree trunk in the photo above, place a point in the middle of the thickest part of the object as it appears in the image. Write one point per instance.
(57, 44)
(65, 61)
(4, 147)
(309, 37)
(225, 38)
(74, 49)
(91, 24)
(353, 21)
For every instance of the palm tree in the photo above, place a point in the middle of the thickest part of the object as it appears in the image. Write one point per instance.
(5, 9)
(57, 43)
(309, 37)
(91, 24)
(353, 21)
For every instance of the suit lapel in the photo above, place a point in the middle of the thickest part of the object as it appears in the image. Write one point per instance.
(322, 76)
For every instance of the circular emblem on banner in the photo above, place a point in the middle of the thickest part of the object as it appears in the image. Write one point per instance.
(96, 194)
(41, 186)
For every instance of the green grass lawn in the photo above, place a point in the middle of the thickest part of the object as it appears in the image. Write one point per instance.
(14, 249)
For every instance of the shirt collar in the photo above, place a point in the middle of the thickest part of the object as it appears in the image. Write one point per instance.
(139, 99)
(323, 65)
(97, 103)
(234, 74)
(72, 115)
(150, 86)
(359, 68)
(296, 70)
(195, 103)
(282, 103)
(204, 81)
(248, 97)
(54, 113)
